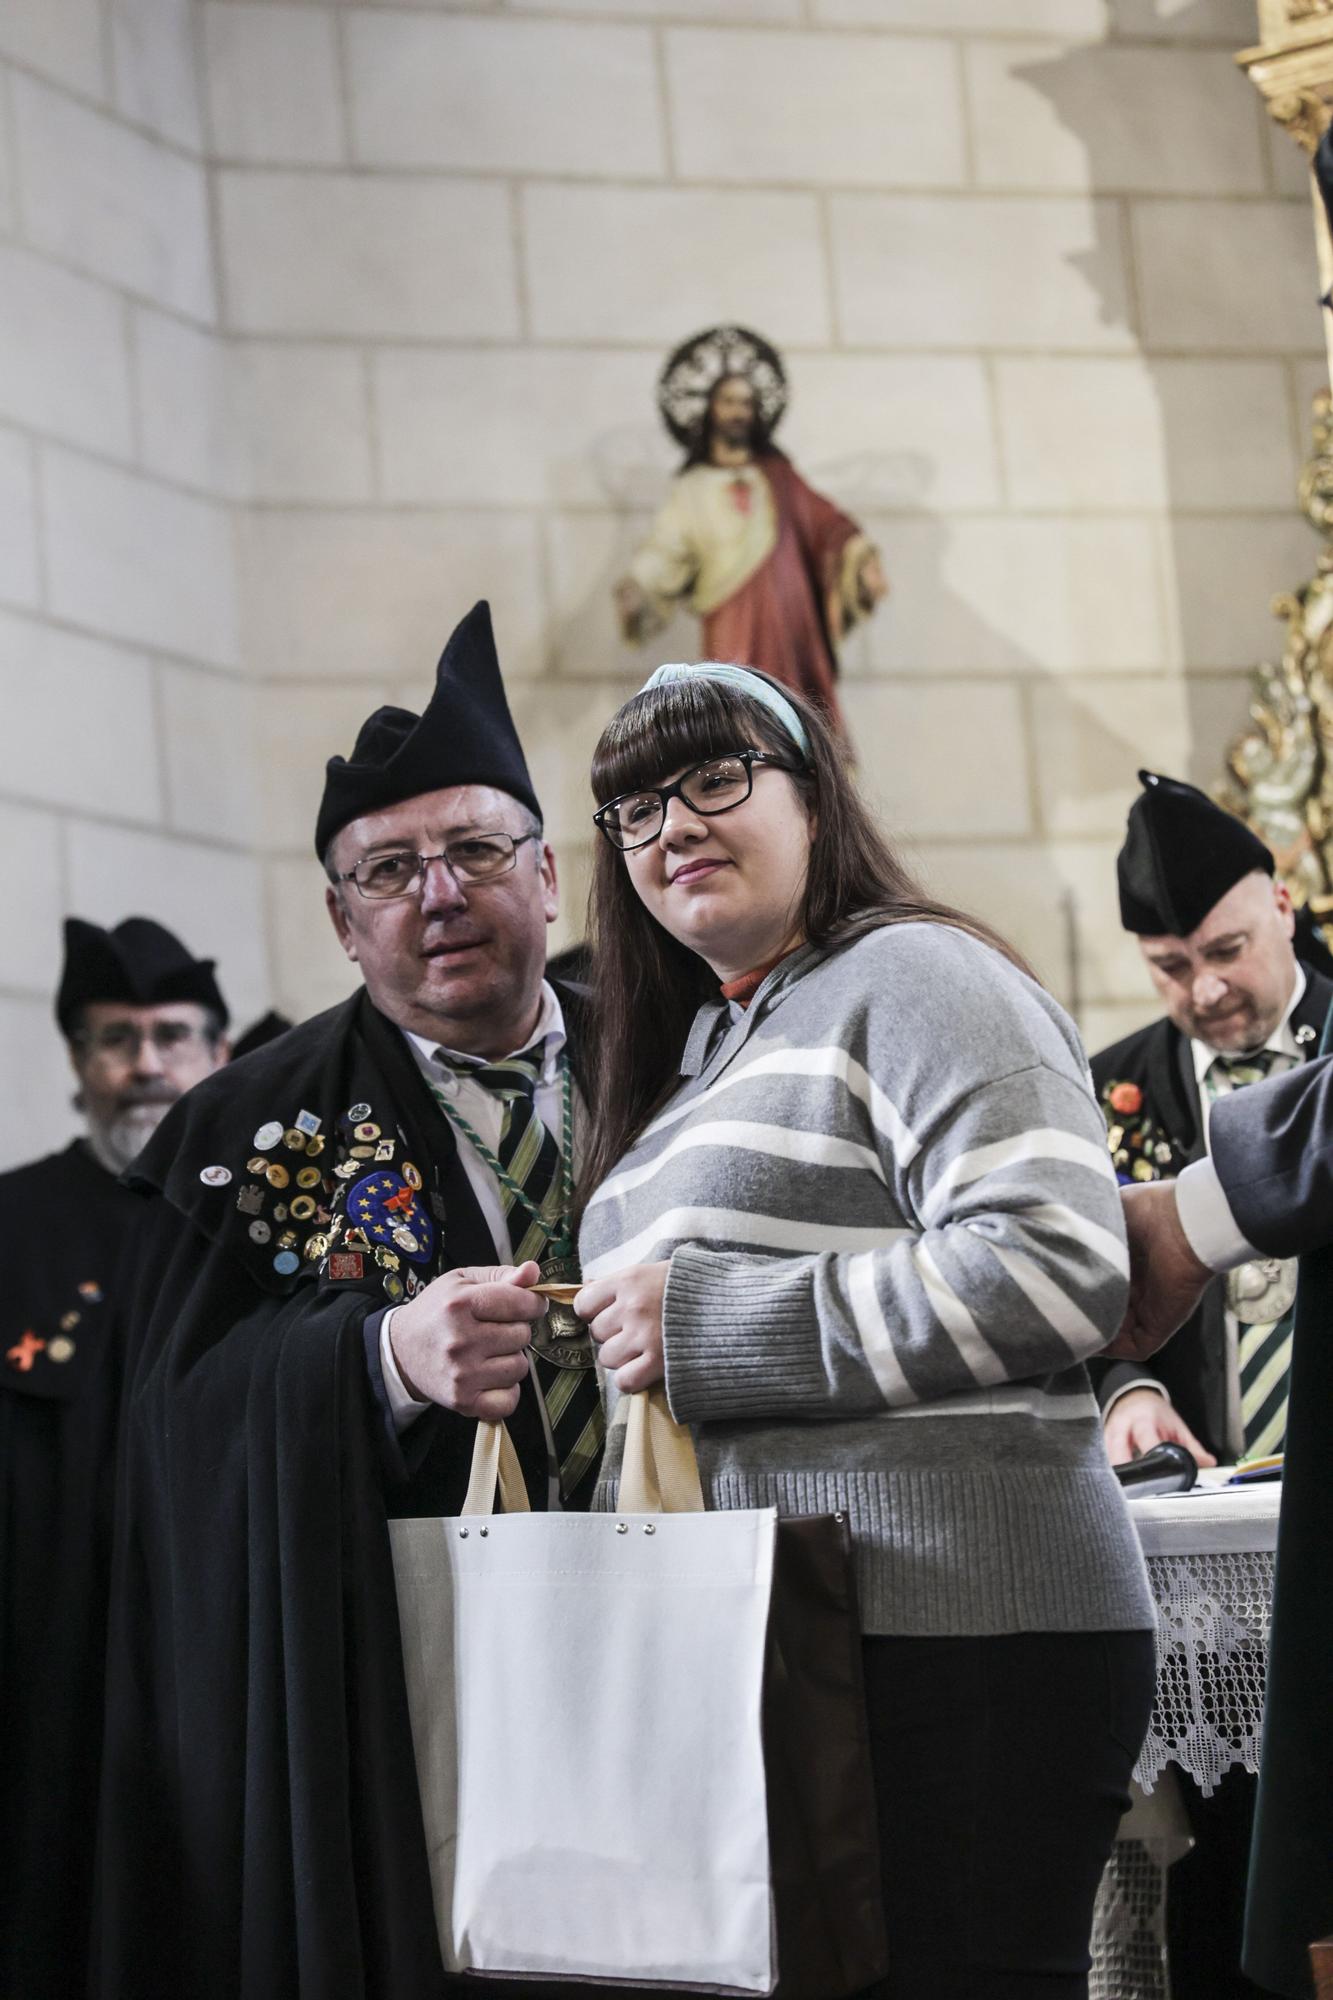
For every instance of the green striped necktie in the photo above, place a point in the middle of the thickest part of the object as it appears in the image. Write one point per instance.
(1263, 1346)
(530, 1156)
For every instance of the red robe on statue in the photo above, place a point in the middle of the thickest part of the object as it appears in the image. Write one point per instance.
(779, 618)
(771, 567)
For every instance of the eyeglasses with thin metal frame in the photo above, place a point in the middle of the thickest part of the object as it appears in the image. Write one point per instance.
(713, 786)
(478, 857)
(170, 1040)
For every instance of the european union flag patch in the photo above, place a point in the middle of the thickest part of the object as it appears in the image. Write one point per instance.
(389, 1213)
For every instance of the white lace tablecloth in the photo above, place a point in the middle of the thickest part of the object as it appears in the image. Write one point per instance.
(1210, 1563)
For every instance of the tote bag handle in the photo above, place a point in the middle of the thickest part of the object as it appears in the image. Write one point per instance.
(659, 1473)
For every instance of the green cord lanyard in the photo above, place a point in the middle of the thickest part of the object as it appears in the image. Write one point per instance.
(557, 1247)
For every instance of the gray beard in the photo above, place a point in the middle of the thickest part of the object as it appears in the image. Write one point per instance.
(121, 1139)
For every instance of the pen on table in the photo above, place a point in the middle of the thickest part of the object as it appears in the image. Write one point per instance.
(1250, 1472)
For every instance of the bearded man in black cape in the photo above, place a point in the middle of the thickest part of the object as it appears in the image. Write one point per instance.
(143, 1021)
(343, 1235)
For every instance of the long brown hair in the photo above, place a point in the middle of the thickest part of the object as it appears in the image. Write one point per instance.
(648, 986)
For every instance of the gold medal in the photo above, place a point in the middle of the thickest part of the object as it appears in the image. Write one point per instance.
(562, 1338)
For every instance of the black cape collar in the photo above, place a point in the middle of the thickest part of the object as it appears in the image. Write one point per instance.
(350, 1058)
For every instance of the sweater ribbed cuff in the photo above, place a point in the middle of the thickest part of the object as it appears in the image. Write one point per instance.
(740, 1336)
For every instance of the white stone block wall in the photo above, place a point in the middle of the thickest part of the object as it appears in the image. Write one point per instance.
(125, 696)
(328, 318)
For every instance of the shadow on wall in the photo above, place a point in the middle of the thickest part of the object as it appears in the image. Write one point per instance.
(1204, 423)
(1225, 322)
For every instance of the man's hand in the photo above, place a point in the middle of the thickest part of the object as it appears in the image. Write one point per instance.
(1139, 1420)
(1166, 1279)
(460, 1342)
(624, 1315)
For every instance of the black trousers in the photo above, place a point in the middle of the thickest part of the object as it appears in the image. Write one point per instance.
(1002, 1768)
(1205, 1893)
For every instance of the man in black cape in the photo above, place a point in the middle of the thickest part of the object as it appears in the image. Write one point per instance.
(1216, 930)
(143, 1021)
(1267, 1188)
(343, 1232)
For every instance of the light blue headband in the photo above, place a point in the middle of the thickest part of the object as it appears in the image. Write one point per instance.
(748, 683)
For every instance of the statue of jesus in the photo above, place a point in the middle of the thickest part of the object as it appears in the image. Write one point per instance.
(775, 571)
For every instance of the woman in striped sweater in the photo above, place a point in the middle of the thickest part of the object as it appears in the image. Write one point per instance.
(853, 1205)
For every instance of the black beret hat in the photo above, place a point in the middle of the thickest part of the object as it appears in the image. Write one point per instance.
(1181, 855)
(139, 962)
(465, 737)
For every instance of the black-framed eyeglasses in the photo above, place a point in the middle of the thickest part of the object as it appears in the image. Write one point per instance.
(713, 786)
(397, 871)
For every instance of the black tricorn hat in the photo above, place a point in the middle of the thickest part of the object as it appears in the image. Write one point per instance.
(140, 962)
(1181, 855)
(465, 737)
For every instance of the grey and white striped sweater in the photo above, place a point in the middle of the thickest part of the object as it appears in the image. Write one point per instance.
(895, 1237)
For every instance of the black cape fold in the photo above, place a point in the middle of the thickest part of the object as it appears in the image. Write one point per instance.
(261, 1830)
(65, 1223)
(1279, 1185)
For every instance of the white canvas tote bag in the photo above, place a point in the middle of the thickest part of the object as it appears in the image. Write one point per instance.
(586, 1698)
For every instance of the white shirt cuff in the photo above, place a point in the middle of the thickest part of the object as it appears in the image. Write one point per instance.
(1206, 1218)
(1142, 1382)
(403, 1405)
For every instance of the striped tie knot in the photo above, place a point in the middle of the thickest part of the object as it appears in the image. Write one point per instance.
(511, 1079)
(1234, 1072)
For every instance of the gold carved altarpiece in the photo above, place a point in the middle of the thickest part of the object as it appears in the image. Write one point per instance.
(1280, 770)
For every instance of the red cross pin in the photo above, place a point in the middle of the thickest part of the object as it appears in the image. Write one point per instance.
(25, 1353)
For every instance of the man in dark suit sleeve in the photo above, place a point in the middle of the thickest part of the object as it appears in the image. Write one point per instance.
(1267, 1189)
(334, 1284)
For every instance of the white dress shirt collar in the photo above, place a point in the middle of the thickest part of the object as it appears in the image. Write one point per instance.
(549, 1031)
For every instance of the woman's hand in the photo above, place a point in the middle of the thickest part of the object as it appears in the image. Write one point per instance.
(624, 1316)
